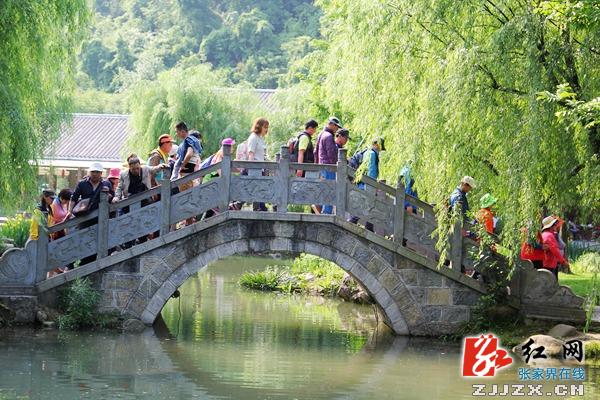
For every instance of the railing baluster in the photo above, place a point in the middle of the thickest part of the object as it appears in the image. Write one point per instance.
(225, 178)
(102, 227)
(42, 249)
(165, 203)
(399, 213)
(457, 244)
(284, 179)
(341, 184)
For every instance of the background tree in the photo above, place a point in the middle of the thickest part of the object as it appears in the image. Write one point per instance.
(40, 39)
(191, 95)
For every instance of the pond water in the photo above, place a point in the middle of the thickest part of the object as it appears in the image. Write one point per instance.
(220, 341)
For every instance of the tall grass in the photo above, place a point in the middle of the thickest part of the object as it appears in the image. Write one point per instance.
(16, 229)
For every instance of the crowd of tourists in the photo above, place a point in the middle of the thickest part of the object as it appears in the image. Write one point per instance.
(171, 161)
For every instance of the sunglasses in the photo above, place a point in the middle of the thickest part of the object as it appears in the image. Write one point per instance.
(168, 141)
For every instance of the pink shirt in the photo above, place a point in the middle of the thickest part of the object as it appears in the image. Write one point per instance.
(58, 212)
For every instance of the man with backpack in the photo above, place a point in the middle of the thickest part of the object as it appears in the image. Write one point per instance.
(301, 148)
(357, 159)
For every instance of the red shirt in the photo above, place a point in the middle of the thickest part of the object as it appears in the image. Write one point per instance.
(552, 255)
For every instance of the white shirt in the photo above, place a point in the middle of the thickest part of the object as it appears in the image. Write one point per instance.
(256, 145)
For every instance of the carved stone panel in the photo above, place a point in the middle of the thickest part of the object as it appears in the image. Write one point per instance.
(79, 244)
(304, 191)
(364, 204)
(418, 230)
(195, 201)
(134, 225)
(17, 266)
(258, 189)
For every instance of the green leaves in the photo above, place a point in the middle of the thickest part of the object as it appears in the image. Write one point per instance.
(40, 39)
(501, 91)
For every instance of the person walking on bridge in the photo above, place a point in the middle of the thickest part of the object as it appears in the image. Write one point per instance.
(485, 215)
(327, 156)
(159, 156)
(458, 198)
(377, 146)
(302, 149)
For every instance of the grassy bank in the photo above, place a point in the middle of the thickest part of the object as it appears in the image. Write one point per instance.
(581, 280)
(307, 274)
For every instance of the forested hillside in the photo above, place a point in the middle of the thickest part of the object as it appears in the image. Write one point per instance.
(245, 40)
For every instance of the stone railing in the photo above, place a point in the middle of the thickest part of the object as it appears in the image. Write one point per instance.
(269, 182)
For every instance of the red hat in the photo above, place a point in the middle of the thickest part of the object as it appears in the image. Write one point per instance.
(115, 173)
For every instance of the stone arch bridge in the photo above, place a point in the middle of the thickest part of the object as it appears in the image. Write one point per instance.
(397, 264)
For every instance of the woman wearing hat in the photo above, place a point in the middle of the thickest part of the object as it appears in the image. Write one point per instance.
(552, 253)
(485, 215)
(40, 212)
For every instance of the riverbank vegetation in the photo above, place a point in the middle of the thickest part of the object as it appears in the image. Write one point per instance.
(78, 304)
(307, 275)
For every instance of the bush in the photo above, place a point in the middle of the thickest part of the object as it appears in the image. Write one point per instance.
(78, 303)
(16, 229)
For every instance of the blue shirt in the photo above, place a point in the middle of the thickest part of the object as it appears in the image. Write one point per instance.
(85, 190)
(459, 197)
(373, 170)
(192, 142)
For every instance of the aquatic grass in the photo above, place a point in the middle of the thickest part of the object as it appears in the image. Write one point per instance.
(267, 280)
(307, 274)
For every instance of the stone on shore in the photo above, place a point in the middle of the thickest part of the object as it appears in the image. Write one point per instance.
(563, 331)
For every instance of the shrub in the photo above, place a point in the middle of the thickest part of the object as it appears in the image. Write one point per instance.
(78, 303)
(16, 229)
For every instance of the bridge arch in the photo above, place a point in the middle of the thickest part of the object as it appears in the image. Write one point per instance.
(141, 288)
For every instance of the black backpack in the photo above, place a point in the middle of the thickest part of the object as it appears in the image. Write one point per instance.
(293, 147)
(357, 158)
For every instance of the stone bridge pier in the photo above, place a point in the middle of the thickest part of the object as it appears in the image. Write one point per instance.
(413, 299)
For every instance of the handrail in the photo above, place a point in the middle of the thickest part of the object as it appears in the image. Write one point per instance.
(135, 198)
(201, 173)
(271, 165)
(73, 222)
(313, 167)
(384, 206)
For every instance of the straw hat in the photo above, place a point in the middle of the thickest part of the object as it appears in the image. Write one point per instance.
(468, 181)
(548, 222)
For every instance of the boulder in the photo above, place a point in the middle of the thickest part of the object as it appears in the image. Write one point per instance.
(41, 316)
(563, 331)
(133, 325)
(553, 347)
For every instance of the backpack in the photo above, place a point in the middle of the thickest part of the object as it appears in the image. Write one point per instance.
(293, 148)
(241, 153)
(357, 159)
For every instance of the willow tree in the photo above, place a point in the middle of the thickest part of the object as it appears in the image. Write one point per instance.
(196, 96)
(39, 40)
(502, 90)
